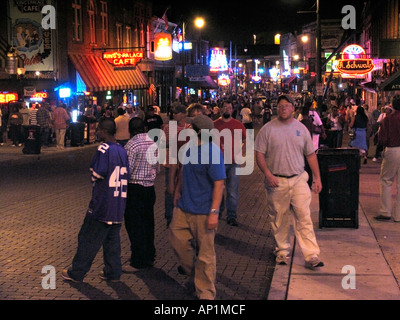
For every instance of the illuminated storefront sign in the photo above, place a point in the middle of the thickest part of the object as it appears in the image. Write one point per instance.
(7, 97)
(224, 80)
(354, 63)
(122, 59)
(219, 61)
(163, 46)
(256, 79)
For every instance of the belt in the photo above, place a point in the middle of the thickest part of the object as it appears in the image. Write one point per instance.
(286, 177)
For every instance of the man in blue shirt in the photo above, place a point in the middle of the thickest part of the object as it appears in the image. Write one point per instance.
(103, 221)
(197, 200)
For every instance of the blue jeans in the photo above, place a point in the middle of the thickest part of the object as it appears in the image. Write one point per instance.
(169, 199)
(232, 191)
(92, 236)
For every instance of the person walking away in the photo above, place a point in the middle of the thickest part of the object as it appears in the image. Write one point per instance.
(230, 150)
(122, 122)
(359, 123)
(267, 114)
(139, 213)
(25, 121)
(246, 115)
(280, 149)
(389, 137)
(335, 133)
(43, 120)
(172, 169)
(104, 217)
(61, 117)
(14, 125)
(197, 200)
(32, 114)
(318, 127)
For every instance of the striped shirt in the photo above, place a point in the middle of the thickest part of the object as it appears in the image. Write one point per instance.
(143, 160)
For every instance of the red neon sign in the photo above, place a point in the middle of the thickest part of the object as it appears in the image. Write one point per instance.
(38, 95)
(7, 97)
(121, 59)
(353, 61)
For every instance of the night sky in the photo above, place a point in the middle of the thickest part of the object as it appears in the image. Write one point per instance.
(228, 21)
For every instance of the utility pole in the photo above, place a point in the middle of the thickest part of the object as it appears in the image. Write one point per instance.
(318, 62)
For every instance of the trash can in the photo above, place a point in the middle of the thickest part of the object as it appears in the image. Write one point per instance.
(339, 198)
(77, 134)
(32, 143)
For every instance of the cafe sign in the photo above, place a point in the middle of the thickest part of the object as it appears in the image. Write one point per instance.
(354, 62)
(123, 59)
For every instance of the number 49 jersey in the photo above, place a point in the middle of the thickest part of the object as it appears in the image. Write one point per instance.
(110, 174)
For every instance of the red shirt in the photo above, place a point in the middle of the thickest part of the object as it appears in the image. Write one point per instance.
(234, 147)
(389, 133)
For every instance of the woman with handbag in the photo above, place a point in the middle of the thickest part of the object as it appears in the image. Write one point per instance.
(359, 125)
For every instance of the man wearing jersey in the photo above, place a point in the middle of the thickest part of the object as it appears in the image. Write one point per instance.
(103, 221)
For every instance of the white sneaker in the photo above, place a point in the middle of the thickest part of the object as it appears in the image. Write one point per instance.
(374, 159)
(282, 259)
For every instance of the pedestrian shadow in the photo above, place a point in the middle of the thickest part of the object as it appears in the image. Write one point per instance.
(242, 248)
(164, 287)
(122, 290)
(92, 293)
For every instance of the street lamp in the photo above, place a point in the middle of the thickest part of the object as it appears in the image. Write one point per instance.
(199, 23)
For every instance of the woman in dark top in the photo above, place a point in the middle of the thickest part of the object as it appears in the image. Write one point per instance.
(359, 124)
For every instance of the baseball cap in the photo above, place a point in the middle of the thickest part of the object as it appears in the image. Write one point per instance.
(202, 122)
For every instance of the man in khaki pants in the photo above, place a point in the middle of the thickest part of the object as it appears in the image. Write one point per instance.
(281, 147)
(197, 200)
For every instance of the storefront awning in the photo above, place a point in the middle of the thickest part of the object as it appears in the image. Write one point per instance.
(391, 84)
(201, 83)
(99, 75)
(289, 80)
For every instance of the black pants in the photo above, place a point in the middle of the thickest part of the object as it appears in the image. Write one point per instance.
(139, 223)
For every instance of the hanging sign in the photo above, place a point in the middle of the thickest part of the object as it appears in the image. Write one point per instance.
(354, 62)
(163, 46)
(122, 59)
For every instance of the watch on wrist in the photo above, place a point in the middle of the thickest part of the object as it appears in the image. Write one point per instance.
(214, 211)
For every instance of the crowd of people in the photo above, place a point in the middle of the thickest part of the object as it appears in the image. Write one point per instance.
(199, 193)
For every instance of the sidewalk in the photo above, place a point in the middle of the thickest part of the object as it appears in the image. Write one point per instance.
(372, 249)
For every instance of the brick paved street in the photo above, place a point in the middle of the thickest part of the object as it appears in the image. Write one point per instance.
(42, 208)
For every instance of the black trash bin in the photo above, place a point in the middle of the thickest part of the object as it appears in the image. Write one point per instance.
(340, 175)
(32, 143)
(77, 134)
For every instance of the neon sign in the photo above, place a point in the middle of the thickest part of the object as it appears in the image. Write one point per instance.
(40, 95)
(224, 80)
(218, 62)
(353, 63)
(7, 97)
(121, 59)
(163, 44)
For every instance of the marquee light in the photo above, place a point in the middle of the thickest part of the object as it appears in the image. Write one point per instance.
(163, 44)
(122, 59)
(219, 61)
(353, 63)
(7, 97)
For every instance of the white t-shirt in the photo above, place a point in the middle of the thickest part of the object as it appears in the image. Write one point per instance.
(284, 146)
(246, 115)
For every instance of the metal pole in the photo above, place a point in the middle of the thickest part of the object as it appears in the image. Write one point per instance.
(318, 58)
(183, 61)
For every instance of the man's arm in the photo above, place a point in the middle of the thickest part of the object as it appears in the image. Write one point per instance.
(262, 164)
(219, 187)
(313, 162)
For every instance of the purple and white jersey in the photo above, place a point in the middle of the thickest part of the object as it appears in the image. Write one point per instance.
(110, 175)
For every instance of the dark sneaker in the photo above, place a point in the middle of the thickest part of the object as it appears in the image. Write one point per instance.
(232, 222)
(381, 217)
(67, 277)
(103, 277)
